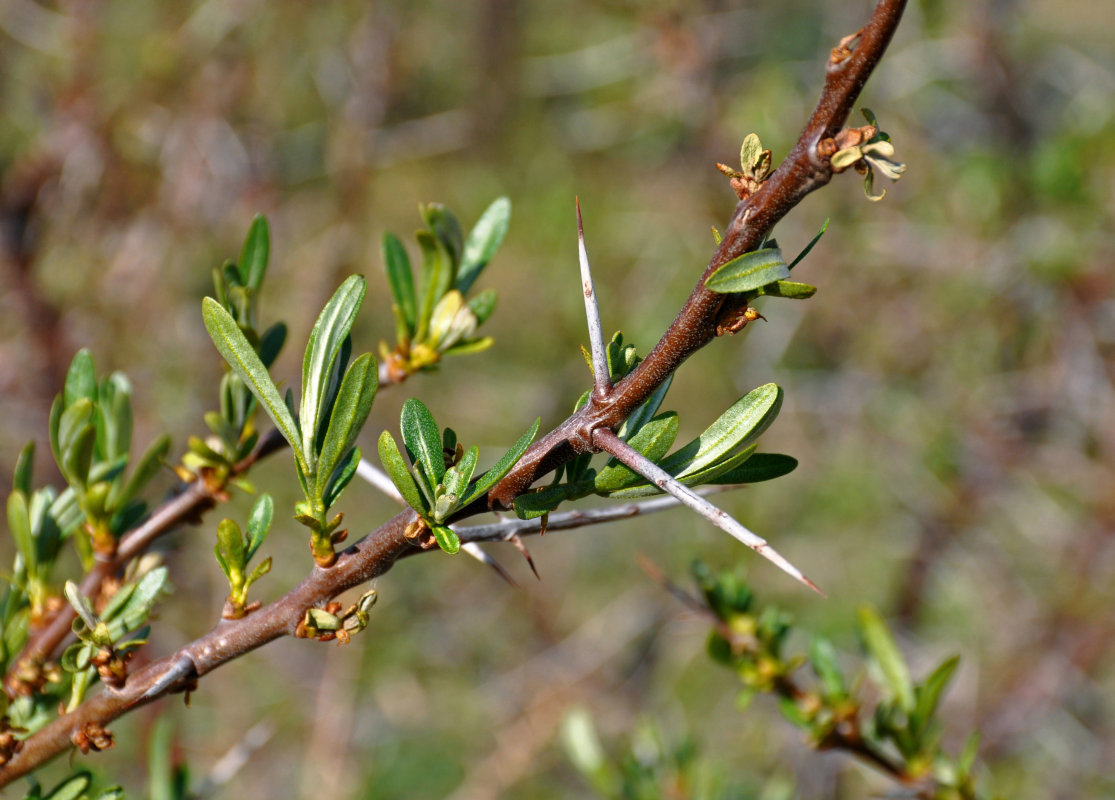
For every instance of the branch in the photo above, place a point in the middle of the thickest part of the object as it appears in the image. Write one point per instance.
(804, 170)
(695, 326)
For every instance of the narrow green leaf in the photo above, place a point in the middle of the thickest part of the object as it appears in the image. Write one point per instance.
(400, 278)
(447, 539)
(397, 469)
(502, 467)
(653, 440)
(535, 504)
(71, 788)
(81, 379)
(791, 290)
(233, 345)
(21, 477)
(147, 591)
(325, 344)
(483, 305)
(737, 427)
(759, 467)
(928, 695)
(644, 413)
(470, 346)
(271, 342)
(822, 656)
(81, 604)
(483, 242)
(881, 646)
(434, 279)
(808, 247)
(254, 254)
(444, 225)
(967, 758)
(146, 468)
(749, 272)
(422, 440)
(467, 465)
(19, 523)
(342, 475)
(230, 546)
(78, 458)
(350, 412)
(259, 524)
(261, 569)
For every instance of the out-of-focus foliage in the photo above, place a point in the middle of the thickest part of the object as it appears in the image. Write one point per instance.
(949, 391)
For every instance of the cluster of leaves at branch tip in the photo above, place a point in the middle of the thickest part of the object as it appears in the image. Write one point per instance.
(904, 730)
(237, 288)
(434, 319)
(90, 437)
(867, 150)
(438, 483)
(108, 640)
(336, 399)
(234, 549)
(755, 167)
(723, 454)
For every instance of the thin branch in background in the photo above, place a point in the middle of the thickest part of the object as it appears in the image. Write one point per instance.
(632, 458)
(233, 761)
(601, 379)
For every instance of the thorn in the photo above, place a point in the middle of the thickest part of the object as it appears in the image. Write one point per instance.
(522, 548)
(476, 552)
(602, 383)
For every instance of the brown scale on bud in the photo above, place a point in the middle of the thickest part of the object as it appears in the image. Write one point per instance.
(92, 736)
(9, 744)
(843, 50)
(737, 321)
(419, 533)
(848, 137)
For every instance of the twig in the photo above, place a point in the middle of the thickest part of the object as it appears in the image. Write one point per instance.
(601, 378)
(631, 457)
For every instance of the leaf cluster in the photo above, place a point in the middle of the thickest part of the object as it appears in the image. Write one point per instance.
(432, 317)
(439, 481)
(235, 548)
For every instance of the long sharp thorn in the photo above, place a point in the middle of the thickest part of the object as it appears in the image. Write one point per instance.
(602, 383)
(476, 552)
(522, 548)
(612, 444)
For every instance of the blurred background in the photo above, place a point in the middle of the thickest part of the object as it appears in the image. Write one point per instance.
(949, 391)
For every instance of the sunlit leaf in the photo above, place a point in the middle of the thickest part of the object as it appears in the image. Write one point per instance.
(483, 241)
(749, 272)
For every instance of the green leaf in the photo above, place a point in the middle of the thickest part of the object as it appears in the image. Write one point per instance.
(470, 346)
(791, 290)
(457, 477)
(808, 247)
(535, 504)
(271, 342)
(822, 656)
(21, 477)
(350, 412)
(445, 226)
(326, 341)
(397, 469)
(502, 467)
(881, 646)
(400, 278)
(641, 415)
(482, 305)
(422, 440)
(483, 242)
(259, 524)
(78, 457)
(81, 380)
(750, 153)
(749, 272)
(759, 467)
(434, 279)
(928, 695)
(261, 569)
(138, 606)
(447, 539)
(653, 440)
(230, 548)
(254, 254)
(342, 475)
(81, 604)
(233, 345)
(19, 523)
(737, 427)
(71, 788)
(146, 468)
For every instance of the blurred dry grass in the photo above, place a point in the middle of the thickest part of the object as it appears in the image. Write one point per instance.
(949, 391)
